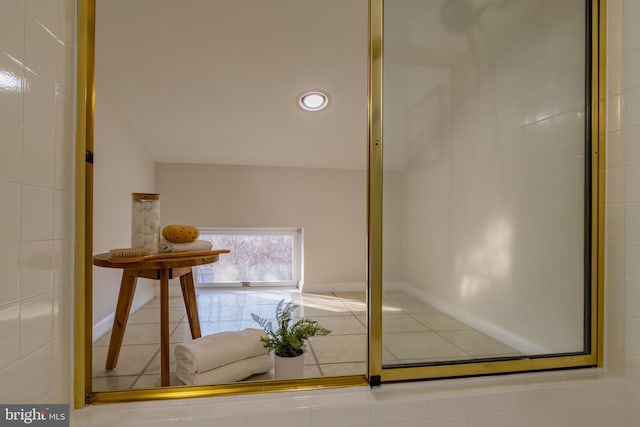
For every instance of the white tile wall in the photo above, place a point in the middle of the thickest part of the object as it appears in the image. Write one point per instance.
(36, 170)
(622, 266)
(551, 400)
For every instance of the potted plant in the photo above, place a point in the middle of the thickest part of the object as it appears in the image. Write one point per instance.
(288, 339)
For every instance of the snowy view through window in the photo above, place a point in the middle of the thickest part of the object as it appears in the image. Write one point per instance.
(254, 258)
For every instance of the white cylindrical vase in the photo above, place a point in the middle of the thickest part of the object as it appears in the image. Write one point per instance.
(145, 221)
(289, 367)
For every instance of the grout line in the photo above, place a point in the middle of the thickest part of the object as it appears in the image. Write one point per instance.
(316, 359)
(157, 352)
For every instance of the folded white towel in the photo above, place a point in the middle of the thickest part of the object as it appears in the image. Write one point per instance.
(196, 245)
(232, 372)
(213, 351)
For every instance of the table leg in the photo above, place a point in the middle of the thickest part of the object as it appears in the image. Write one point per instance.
(191, 304)
(164, 327)
(123, 307)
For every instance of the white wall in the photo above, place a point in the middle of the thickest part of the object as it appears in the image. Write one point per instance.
(489, 147)
(330, 204)
(36, 200)
(121, 167)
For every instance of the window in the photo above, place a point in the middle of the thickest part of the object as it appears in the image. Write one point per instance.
(258, 257)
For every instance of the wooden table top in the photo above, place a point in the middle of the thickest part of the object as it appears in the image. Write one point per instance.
(162, 261)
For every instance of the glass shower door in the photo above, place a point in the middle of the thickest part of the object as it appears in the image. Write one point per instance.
(486, 183)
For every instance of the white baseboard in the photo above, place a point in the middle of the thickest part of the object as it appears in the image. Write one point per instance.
(104, 325)
(393, 286)
(496, 332)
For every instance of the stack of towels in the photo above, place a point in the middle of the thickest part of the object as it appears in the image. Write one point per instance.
(197, 245)
(221, 358)
(182, 238)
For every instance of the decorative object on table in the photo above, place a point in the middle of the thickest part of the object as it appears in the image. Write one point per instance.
(162, 267)
(178, 233)
(222, 358)
(127, 253)
(131, 255)
(288, 340)
(145, 221)
(197, 245)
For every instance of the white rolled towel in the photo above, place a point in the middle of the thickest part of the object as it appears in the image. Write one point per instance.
(232, 372)
(212, 351)
(196, 245)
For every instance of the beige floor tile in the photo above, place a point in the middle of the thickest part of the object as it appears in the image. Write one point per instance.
(208, 313)
(478, 344)
(356, 307)
(132, 360)
(152, 315)
(267, 311)
(153, 381)
(173, 302)
(408, 306)
(427, 360)
(309, 356)
(311, 371)
(440, 322)
(341, 325)
(154, 366)
(387, 356)
(395, 296)
(217, 297)
(331, 307)
(147, 333)
(302, 298)
(360, 297)
(340, 369)
(401, 322)
(182, 333)
(113, 383)
(419, 345)
(340, 348)
(265, 376)
(406, 339)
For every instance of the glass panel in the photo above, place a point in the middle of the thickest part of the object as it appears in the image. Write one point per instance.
(266, 258)
(484, 180)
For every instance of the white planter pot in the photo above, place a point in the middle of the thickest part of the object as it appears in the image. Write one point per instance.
(289, 367)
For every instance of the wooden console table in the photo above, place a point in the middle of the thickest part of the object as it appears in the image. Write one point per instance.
(163, 270)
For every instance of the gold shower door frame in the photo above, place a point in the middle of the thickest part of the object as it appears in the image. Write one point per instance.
(376, 374)
(379, 374)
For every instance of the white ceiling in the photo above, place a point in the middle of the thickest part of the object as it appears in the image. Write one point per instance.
(217, 81)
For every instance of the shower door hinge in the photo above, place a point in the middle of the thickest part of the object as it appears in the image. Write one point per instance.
(88, 156)
(375, 381)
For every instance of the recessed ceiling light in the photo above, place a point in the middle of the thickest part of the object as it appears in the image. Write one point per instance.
(314, 101)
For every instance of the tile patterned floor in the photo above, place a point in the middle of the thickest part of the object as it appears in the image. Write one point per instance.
(412, 332)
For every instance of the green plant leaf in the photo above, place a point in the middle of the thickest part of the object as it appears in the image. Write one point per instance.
(290, 338)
